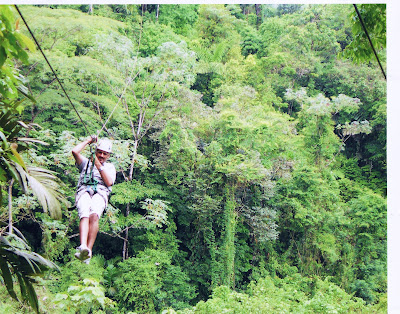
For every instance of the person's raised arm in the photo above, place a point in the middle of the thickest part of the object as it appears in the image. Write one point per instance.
(76, 151)
(107, 178)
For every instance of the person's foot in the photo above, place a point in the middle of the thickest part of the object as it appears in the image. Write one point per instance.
(83, 253)
(78, 254)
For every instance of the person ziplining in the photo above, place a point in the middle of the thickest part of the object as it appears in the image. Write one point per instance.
(93, 189)
(92, 193)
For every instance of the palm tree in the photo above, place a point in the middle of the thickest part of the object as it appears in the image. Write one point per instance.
(16, 258)
(13, 93)
(43, 183)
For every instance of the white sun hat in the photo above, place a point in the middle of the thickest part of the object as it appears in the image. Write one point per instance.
(104, 145)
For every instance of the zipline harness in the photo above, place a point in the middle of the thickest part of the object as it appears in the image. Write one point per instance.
(89, 180)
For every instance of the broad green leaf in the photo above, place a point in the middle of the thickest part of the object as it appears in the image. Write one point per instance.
(24, 91)
(3, 56)
(5, 271)
(20, 161)
(11, 168)
(25, 41)
(8, 16)
(31, 295)
(4, 118)
(3, 137)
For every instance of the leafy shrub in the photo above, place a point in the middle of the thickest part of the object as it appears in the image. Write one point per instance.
(148, 283)
(293, 294)
(75, 271)
(83, 298)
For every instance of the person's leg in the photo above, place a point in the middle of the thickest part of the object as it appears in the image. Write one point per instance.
(84, 228)
(93, 224)
(83, 206)
(98, 205)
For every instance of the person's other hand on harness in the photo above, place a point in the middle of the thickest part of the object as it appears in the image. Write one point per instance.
(94, 187)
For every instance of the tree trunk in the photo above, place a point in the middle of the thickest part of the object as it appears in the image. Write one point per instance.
(136, 144)
(90, 9)
(229, 239)
(158, 11)
(258, 13)
(125, 247)
(244, 8)
(215, 269)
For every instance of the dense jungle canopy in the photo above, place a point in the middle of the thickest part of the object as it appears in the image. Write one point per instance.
(250, 148)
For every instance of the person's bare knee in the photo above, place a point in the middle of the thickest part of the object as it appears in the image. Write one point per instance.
(93, 218)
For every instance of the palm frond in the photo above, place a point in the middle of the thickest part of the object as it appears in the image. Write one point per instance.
(46, 187)
(6, 274)
(31, 140)
(19, 236)
(9, 165)
(219, 52)
(18, 259)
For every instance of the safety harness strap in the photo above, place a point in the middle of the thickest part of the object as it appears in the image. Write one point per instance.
(88, 179)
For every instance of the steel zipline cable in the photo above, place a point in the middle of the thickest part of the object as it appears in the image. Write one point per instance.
(369, 39)
(59, 82)
(55, 74)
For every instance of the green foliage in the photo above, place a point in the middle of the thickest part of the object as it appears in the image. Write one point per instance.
(268, 10)
(154, 35)
(16, 257)
(11, 84)
(206, 84)
(74, 271)
(133, 191)
(180, 17)
(368, 214)
(54, 239)
(374, 18)
(17, 260)
(242, 135)
(12, 47)
(214, 23)
(293, 294)
(251, 43)
(128, 13)
(235, 10)
(145, 283)
(156, 211)
(84, 76)
(288, 8)
(178, 61)
(9, 305)
(271, 30)
(318, 133)
(83, 298)
(228, 244)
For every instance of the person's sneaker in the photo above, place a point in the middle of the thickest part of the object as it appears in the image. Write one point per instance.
(78, 253)
(83, 253)
(87, 261)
